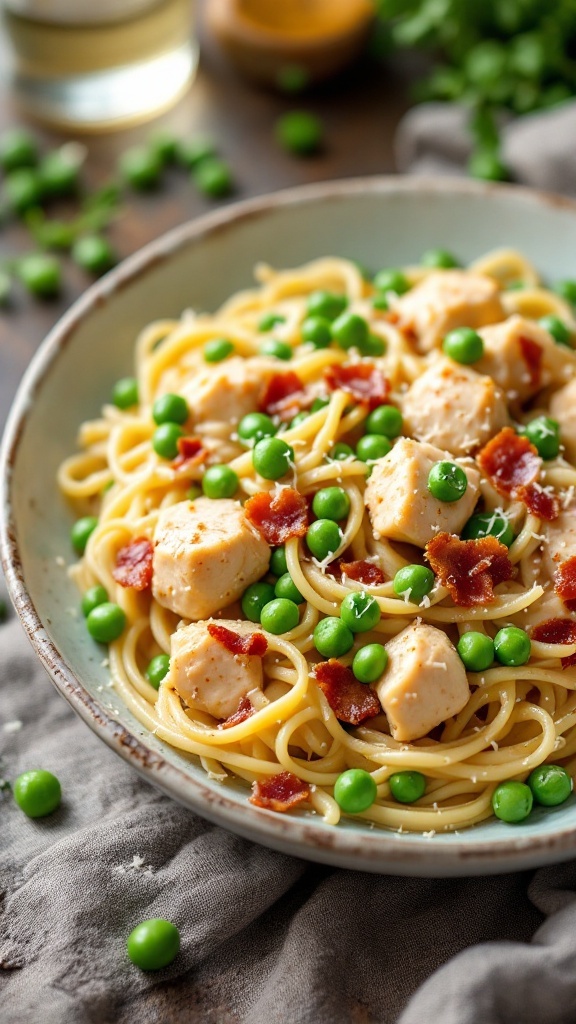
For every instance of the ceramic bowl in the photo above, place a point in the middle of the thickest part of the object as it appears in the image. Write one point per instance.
(380, 222)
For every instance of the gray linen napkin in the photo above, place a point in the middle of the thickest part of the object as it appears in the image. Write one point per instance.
(539, 149)
(266, 939)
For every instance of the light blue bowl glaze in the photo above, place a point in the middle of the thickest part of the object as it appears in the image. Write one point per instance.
(381, 222)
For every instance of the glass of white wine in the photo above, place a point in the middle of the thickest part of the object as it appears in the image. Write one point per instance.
(97, 64)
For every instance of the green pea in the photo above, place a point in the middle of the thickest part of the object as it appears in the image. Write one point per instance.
(60, 172)
(512, 646)
(350, 330)
(355, 791)
(270, 320)
(278, 563)
(17, 149)
(316, 331)
(292, 78)
(272, 458)
(558, 329)
(299, 132)
(415, 580)
(323, 538)
(463, 345)
(340, 452)
(220, 482)
(94, 254)
(41, 274)
(476, 651)
(254, 427)
(217, 350)
(165, 440)
(373, 346)
(487, 166)
(439, 259)
(213, 177)
(369, 663)
(170, 409)
(299, 418)
(360, 611)
(158, 668)
(192, 152)
(326, 304)
(92, 597)
(276, 348)
(544, 433)
(385, 420)
(319, 403)
(512, 801)
(331, 503)
(380, 302)
(332, 638)
(153, 944)
(285, 587)
(125, 393)
(81, 531)
(141, 168)
(484, 524)
(106, 622)
(280, 616)
(254, 598)
(407, 787)
(447, 481)
(567, 290)
(164, 145)
(37, 793)
(550, 784)
(391, 280)
(193, 492)
(372, 447)
(22, 190)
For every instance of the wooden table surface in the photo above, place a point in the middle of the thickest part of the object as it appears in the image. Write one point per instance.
(360, 111)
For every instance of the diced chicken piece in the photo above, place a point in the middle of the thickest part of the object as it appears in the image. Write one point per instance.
(453, 407)
(400, 505)
(229, 390)
(523, 358)
(424, 682)
(447, 299)
(563, 408)
(205, 555)
(560, 542)
(206, 675)
(549, 606)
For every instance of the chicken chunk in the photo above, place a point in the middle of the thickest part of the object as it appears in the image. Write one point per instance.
(560, 542)
(400, 505)
(205, 555)
(424, 682)
(563, 409)
(447, 299)
(454, 408)
(229, 390)
(206, 675)
(523, 358)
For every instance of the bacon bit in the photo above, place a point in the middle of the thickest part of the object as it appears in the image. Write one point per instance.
(278, 517)
(469, 568)
(512, 465)
(540, 502)
(556, 631)
(251, 643)
(361, 380)
(359, 570)
(190, 449)
(134, 564)
(284, 396)
(243, 711)
(565, 582)
(279, 792)
(350, 700)
(531, 353)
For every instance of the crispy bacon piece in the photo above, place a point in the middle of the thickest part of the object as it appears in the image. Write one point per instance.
(531, 353)
(278, 517)
(364, 381)
(279, 792)
(250, 643)
(469, 568)
(565, 582)
(190, 449)
(243, 711)
(556, 631)
(134, 564)
(512, 465)
(350, 700)
(359, 570)
(284, 396)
